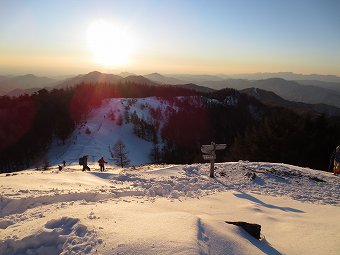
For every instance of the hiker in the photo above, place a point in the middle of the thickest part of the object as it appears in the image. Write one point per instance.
(101, 162)
(64, 163)
(336, 167)
(60, 167)
(83, 161)
(331, 162)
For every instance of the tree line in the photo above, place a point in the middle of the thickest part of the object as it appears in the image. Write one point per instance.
(29, 123)
(252, 131)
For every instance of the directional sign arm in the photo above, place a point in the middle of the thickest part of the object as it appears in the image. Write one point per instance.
(209, 157)
(207, 151)
(207, 147)
(220, 146)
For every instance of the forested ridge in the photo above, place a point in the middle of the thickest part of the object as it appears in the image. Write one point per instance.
(252, 131)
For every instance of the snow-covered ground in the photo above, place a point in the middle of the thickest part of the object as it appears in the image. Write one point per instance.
(170, 209)
(161, 209)
(101, 131)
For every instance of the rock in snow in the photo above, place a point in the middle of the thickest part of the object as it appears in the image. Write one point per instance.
(252, 228)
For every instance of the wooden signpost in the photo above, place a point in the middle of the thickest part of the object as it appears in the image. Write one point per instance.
(210, 154)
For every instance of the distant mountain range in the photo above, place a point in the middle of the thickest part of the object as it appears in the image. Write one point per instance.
(322, 84)
(23, 82)
(306, 90)
(270, 98)
(256, 76)
(289, 90)
(161, 79)
(284, 75)
(18, 92)
(196, 78)
(92, 77)
(98, 77)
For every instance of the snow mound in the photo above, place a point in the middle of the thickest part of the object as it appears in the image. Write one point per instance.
(170, 182)
(271, 179)
(59, 236)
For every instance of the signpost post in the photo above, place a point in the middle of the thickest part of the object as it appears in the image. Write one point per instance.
(210, 154)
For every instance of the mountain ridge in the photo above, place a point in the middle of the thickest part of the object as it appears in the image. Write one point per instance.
(27, 81)
(317, 93)
(289, 90)
(273, 99)
(156, 77)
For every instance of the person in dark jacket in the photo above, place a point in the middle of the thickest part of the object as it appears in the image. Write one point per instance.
(331, 162)
(85, 166)
(101, 162)
(336, 167)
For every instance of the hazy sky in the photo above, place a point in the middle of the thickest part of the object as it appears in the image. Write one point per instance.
(66, 37)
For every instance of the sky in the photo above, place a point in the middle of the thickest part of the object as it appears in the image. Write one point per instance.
(177, 36)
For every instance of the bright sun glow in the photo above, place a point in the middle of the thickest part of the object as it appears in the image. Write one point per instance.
(110, 45)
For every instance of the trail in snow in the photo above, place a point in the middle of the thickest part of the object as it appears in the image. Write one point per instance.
(169, 209)
(178, 182)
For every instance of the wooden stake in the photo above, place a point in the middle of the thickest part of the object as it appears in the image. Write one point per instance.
(212, 168)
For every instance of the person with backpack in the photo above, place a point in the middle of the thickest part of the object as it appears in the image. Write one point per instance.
(336, 167)
(331, 162)
(83, 162)
(101, 162)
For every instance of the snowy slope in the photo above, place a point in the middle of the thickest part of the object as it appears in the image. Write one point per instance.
(104, 132)
(170, 209)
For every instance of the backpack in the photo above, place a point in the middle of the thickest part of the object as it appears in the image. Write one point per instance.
(81, 161)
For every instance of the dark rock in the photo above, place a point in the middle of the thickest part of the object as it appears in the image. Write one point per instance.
(251, 175)
(223, 174)
(252, 228)
(314, 178)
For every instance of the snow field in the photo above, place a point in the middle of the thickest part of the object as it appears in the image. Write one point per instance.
(174, 209)
(105, 131)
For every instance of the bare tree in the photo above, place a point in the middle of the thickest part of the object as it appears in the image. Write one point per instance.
(119, 154)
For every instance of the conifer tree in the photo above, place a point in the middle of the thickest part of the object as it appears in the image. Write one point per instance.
(155, 154)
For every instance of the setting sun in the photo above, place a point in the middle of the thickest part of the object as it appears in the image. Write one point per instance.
(110, 44)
